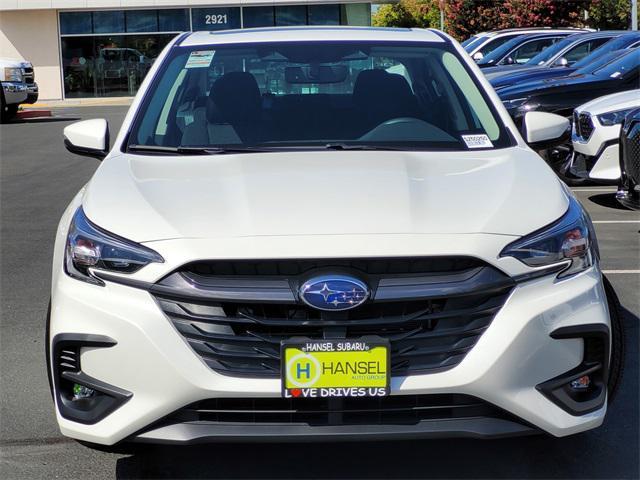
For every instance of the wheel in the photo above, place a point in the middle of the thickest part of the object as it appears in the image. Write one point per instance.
(616, 365)
(4, 114)
(8, 112)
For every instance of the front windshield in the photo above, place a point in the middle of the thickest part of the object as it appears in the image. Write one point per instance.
(469, 42)
(618, 43)
(628, 62)
(548, 53)
(498, 53)
(317, 94)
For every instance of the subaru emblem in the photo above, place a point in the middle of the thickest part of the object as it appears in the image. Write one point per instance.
(334, 292)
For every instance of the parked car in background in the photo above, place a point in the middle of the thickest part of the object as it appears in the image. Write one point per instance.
(520, 50)
(18, 86)
(596, 133)
(561, 54)
(629, 187)
(563, 95)
(601, 56)
(481, 44)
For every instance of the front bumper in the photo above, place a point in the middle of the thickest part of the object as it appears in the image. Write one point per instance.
(14, 93)
(597, 157)
(153, 363)
(32, 93)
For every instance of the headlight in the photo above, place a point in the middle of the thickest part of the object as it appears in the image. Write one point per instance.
(614, 118)
(12, 74)
(89, 247)
(570, 241)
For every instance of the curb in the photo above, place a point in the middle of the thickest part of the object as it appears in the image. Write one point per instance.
(24, 114)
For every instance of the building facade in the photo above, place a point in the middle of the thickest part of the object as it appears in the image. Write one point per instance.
(104, 48)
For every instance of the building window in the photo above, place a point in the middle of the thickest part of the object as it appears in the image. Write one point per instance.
(215, 18)
(291, 15)
(72, 23)
(142, 20)
(108, 65)
(173, 20)
(108, 21)
(324, 14)
(258, 17)
(109, 52)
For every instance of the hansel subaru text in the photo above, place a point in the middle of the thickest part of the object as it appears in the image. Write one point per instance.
(325, 233)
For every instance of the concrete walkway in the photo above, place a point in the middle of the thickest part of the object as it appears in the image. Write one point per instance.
(79, 102)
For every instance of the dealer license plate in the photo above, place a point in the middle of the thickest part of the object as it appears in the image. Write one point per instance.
(335, 368)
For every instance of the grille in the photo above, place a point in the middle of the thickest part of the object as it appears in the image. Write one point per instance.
(28, 74)
(584, 127)
(68, 359)
(432, 311)
(391, 410)
(631, 152)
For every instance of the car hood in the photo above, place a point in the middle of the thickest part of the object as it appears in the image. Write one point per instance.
(545, 84)
(147, 198)
(612, 103)
(492, 72)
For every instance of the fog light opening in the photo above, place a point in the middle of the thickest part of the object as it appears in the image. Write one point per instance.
(80, 392)
(581, 384)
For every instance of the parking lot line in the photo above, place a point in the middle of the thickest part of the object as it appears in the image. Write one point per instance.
(616, 221)
(613, 272)
(611, 189)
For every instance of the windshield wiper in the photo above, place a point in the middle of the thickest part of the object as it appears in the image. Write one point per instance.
(346, 146)
(191, 150)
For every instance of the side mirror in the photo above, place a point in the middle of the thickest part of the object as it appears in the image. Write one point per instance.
(562, 62)
(478, 56)
(542, 130)
(509, 61)
(89, 138)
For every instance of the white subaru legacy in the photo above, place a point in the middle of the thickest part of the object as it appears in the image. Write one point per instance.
(325, 233)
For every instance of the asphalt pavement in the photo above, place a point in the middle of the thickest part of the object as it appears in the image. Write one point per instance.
(38, 178)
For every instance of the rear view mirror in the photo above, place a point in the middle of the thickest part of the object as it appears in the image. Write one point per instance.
(542, 130)
(316, 74)
(89, 138)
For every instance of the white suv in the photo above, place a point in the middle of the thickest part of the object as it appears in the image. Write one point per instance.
(324, 232)
(596, 134)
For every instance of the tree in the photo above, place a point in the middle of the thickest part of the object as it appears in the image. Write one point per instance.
(408, 14)
(610, 14)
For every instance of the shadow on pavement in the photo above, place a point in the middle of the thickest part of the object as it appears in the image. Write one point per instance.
(607, 200)
(43, 120)
(610, 451)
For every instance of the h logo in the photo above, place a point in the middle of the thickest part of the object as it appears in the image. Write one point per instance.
(306, 370)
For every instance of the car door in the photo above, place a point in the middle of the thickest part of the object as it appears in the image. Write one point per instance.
(581, 50)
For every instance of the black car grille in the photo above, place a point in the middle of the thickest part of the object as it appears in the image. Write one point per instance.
(28, 75)
(235, 314)
(584, 125)
(391, 410)
(631, 152)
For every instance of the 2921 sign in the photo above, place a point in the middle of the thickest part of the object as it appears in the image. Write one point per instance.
(222, 19)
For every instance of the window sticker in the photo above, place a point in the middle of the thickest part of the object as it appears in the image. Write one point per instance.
(615, 74)
(477, 141)
(200, 59)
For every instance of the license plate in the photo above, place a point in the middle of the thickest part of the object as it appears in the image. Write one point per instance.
(335, 368)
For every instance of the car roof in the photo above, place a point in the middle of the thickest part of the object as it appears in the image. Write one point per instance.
(302, 34)
(533, 30)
